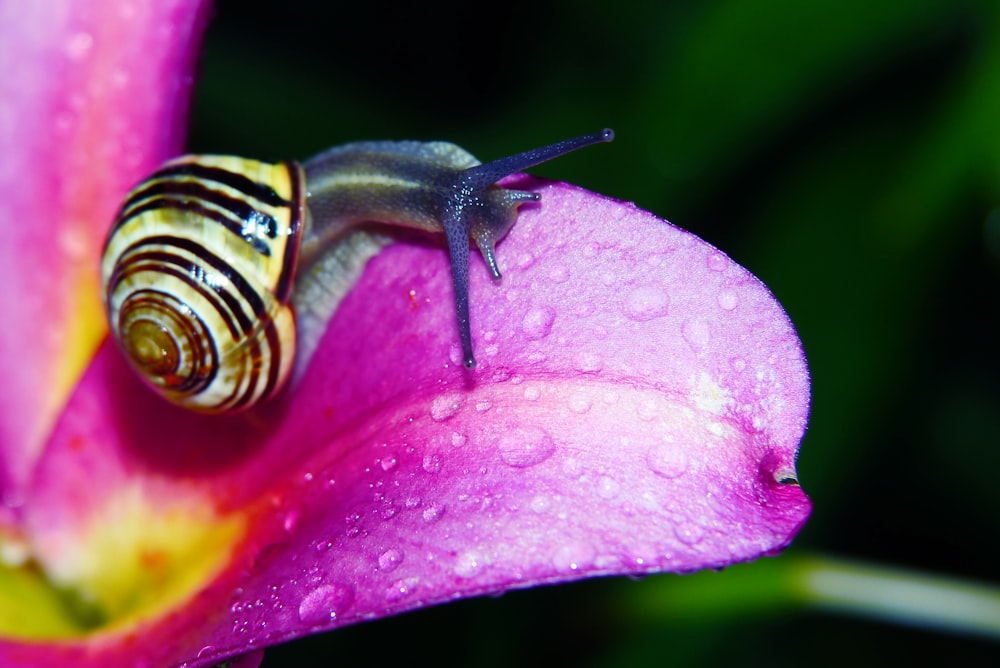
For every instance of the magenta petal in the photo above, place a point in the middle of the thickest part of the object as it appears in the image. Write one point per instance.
(637, 408)
(92, 96)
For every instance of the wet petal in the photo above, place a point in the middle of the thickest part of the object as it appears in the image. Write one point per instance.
(92, 96)
(637, 407)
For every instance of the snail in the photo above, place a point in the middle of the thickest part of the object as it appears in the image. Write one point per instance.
(204, 267)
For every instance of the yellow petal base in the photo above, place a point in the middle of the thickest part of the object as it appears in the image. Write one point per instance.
(135, 560)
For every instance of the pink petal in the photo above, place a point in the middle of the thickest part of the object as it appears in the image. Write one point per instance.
(92, 96)
(637, 408)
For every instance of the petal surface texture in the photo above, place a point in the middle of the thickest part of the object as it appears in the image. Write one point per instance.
(637, 407)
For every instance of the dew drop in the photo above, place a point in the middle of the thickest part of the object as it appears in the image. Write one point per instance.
(716, 261)
(457, 439)
(728, 299)
(532, 393)
(695, 332)
(573, 556)
(646, 303)
(689, 533)
(483, 405)
(323, 545)
(445, 406)
(400, 588)
(537, 323)
(525, 447)
(324, 603)
(525, 260)
(388, 462)
(540, 504)
(667, 460)
(738, 364)
(469, 565)
(431, 463)
(432, 513)
(572, 468)
(559, 274)
(390, 560)
(587, 362)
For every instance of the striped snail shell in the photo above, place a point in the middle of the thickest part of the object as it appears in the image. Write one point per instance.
(203, 261)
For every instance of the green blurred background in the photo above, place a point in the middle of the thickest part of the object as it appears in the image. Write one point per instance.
(845, 151)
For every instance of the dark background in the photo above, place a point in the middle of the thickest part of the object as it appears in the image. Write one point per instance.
(845, 151)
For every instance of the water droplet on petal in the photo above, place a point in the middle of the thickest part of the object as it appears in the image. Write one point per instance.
(667, 460)
(469, 565)
(390, 560)
(324, 603)
(573, 556)
(445, 406)
(537, 323)
(483, 405)
(696, 333)
(738, 364)
(389, 462)
(525, 447)
(531, 393)
(572, 468)
(728, 299)
(292, 520)
(432, 513)
(401, 588)
(689, 533)
(716, 261)
(525, 260)
(646, 303)
(540, 504)
(431, 463)
(559, 274)
(587, 362)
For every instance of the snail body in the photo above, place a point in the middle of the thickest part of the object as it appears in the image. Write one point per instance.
(201, 265)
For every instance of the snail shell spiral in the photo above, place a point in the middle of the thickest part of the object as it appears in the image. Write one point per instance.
(198, 272)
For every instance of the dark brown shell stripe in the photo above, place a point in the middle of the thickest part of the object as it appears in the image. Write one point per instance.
(199, 250)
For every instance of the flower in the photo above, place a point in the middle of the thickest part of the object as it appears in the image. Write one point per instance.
(637, 407)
